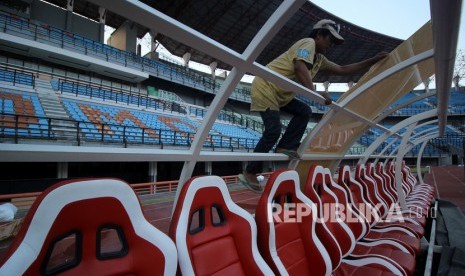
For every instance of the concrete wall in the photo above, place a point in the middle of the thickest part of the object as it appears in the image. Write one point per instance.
(125, 37)
(66, 20)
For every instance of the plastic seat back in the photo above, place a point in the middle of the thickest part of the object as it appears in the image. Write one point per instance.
(380, 184)
(286, 223)
(213, 234)
(355, 196)
(315, 190)
(370, 189)
(348, 213)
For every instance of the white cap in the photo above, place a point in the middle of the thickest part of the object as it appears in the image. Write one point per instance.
(332, 27)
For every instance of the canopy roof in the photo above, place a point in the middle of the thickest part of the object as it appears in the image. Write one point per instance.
(234, 23)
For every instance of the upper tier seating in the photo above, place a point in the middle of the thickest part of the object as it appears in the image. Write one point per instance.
(369, 137)
(105, 94)
(63, 233)
(213, 235)
(16, 77)
(321, 108)
(43, 33)
(413, 108)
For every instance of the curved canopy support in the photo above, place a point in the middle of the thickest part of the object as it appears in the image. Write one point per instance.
(396, 128)
(399, 158)
(420, 154)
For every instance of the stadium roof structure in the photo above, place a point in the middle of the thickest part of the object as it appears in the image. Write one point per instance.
(235, 23)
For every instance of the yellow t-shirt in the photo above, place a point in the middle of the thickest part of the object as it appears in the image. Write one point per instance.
(266, 95)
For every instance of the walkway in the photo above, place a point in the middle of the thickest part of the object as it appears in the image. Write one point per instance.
(449, 182)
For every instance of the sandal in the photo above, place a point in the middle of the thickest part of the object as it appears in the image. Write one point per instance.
(245, 179)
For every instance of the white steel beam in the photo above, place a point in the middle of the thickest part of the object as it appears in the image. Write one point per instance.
(445, 16)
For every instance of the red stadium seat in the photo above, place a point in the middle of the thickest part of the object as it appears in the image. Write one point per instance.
(390, 199)
(213, 235)
(371, 193)
(415, 188)
(289, 241)
(336, 197)
(396, 232)
(89, 226)
(290, 244)
(329, 213)
(417, 201)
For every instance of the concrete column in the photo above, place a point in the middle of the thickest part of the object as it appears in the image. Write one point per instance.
(456, 80)
(326, 85)
(62, 170)
(213, 66)
(70, 5)
(125, 37)
(186, 57)
(102, 20)
(153, 41)
(69, 16)
(153, 171)
(426, 84)
(208, 168)
(153, 54)
(350, 84)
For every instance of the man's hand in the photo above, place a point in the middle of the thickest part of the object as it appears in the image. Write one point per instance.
(328, 100)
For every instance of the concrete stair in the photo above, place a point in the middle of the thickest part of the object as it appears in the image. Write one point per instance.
(62, 125)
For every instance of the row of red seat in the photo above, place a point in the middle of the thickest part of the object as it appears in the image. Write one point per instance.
(350, 232)
(329, 227)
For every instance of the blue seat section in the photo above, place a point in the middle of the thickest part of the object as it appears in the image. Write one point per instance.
(245, 137)
(370, 136)
(55, 84)
(105, 94)
(413, 108)
(161, 105)
(22, 115)
(99, 122)
(319, 107)
(457, 102)
(16, 77)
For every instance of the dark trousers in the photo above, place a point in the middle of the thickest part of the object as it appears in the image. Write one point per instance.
(291, 138)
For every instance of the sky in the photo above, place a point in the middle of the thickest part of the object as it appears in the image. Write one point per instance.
(383, 16)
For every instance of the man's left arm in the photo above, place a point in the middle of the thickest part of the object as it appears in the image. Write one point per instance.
(358, 66)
